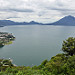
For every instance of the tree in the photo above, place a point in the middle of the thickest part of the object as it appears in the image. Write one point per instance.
(69, 66)
(55, 64)
(68, 46)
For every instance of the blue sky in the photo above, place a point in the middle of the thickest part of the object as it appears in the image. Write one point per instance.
(44, 11)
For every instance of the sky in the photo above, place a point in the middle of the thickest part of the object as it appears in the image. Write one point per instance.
(43, 11)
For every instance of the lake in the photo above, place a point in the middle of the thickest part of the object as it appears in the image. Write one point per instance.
(35, 43)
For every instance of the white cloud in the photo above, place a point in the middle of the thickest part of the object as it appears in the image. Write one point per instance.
(37, 10)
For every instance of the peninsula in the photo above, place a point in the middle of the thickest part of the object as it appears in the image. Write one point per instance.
(5, 38)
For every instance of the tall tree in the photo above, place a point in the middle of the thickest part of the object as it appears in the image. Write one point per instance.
(68, 46)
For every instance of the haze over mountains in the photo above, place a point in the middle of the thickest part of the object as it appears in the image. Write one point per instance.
(66, 21)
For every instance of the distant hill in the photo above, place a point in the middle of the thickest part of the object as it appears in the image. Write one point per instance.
(9, 22)
(67, 20)
(33, 22)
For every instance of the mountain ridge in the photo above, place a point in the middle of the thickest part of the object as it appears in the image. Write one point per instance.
(9, 22)
(66, 21)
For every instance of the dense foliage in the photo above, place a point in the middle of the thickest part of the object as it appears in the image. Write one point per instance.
(69, 46)
(58, 65)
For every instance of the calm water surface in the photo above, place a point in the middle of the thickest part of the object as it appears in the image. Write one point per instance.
(35, 43)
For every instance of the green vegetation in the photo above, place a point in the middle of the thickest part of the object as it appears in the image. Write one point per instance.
(69, 46)
(61, 64)
(8, 43)
(6, 38)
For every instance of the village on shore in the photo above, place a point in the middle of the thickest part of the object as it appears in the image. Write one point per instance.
(5, 38)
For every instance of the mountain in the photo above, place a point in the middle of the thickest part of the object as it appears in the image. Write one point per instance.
(9, 22)
(67, 20)
(33, 22)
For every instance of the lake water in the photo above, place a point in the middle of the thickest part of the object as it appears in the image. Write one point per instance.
(35, 43)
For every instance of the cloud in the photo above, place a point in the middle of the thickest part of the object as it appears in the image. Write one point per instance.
(17, 10)
(27, 10)
(12, 17)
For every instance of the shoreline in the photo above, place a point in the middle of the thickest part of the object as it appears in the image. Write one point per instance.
(5, 38)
